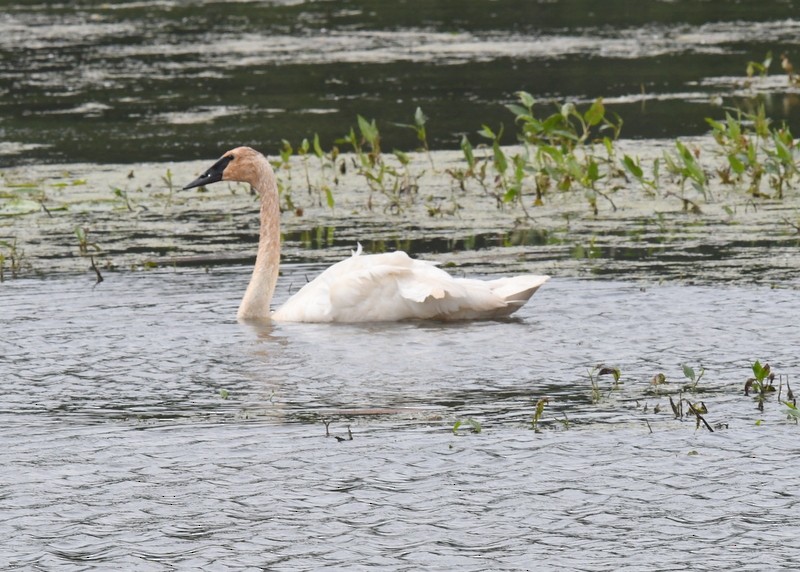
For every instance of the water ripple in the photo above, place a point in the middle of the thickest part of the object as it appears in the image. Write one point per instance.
(120, 450)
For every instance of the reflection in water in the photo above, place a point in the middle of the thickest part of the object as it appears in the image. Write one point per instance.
(324, 237)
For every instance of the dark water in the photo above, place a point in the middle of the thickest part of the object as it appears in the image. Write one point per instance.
(155, 81)
(120, 449)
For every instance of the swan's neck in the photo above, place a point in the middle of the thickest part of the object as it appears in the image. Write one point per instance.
(257, 298)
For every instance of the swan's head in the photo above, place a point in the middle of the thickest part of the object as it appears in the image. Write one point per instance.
(243, 164)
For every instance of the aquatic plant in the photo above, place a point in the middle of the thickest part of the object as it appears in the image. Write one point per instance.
(96, 272)
(420, 119)
(656, 382)
(327, 162)
(754, 148)
(558, 147)
(473, 425)
(697, 409)
(761, 384)
(759, 68)
(537, 415)
(84, 244)
(284, 167)
(167, 180)
(685, 165)
(694, 378)
(327, 423)
(594, 379)
(633, 166)
(13, 255)
(119, 193)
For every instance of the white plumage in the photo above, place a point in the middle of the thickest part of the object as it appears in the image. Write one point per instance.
(361, 288)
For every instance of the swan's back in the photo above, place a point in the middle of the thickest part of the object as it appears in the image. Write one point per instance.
(393, 286)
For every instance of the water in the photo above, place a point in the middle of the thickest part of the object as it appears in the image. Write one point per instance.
(156, 81)
(142, 427)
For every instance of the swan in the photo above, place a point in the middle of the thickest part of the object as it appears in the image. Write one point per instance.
(362, 288)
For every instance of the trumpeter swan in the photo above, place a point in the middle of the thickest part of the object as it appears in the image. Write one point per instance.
(361, 288)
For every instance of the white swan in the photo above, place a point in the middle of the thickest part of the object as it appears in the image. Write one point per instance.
(362, 288)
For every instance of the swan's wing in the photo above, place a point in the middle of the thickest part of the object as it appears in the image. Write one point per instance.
(393, 286)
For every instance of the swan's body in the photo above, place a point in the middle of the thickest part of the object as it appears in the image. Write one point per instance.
(361, 288)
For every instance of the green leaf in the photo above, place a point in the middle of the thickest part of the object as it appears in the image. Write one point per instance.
(486, 132)
(715, 125)
(519, 111)
(595, 114)
(783, 151)
(511, 194)
(526, 99)
(736, 164)
(476, 427)
(317, 147)
(369, 130)
(758, 371)
(593, 171)
(632, 167)
(466, 148)
(500, 161)
(402, 157)
(688, 372)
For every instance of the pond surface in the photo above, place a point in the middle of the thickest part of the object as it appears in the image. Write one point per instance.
(143, 428)
(112, 82)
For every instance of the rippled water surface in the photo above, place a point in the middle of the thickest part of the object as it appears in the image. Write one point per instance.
(155, 81)
(144, 428)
